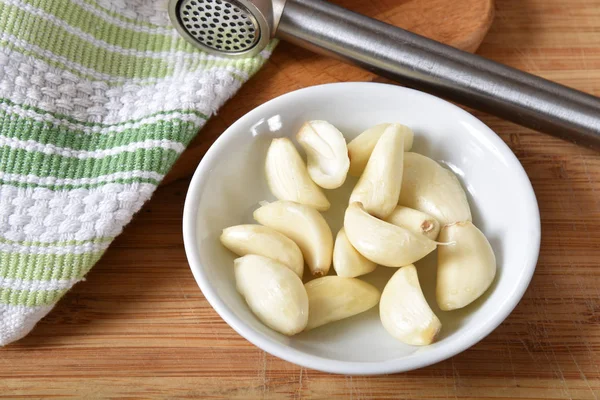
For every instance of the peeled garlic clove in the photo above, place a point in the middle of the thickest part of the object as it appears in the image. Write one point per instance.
(466, 265)
(348, 262)
(264, 241)
(433, 189)
(362, 146)
(332, 298)
(382, 242)
(378, 188)
(305, 226)
(273, 292)
(288, 178)
(404, 311)
(415, 221)
(327, 153)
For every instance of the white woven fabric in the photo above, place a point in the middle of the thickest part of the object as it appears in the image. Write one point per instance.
(97, 101)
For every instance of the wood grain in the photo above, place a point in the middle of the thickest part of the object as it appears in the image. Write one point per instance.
(462, 24)
(140, 328)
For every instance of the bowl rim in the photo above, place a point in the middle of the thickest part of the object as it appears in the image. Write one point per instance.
(410, 362)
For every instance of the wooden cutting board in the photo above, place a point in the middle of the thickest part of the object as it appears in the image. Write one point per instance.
(139, 327)
(462, 24)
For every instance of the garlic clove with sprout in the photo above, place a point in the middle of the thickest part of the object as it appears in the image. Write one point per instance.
(384, 243)
(415, 221)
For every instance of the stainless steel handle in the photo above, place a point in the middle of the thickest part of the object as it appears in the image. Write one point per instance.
(442, 70)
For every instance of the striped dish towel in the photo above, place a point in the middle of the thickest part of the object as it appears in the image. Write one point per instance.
(97, 101)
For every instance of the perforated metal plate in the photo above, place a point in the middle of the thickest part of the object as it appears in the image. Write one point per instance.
(224, 26)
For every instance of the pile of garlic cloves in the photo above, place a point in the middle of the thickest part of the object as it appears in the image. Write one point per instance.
(403, 207)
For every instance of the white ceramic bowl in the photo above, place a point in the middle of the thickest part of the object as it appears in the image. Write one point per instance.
(229, 183)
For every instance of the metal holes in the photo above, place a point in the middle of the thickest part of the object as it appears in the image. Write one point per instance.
(222, 25)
